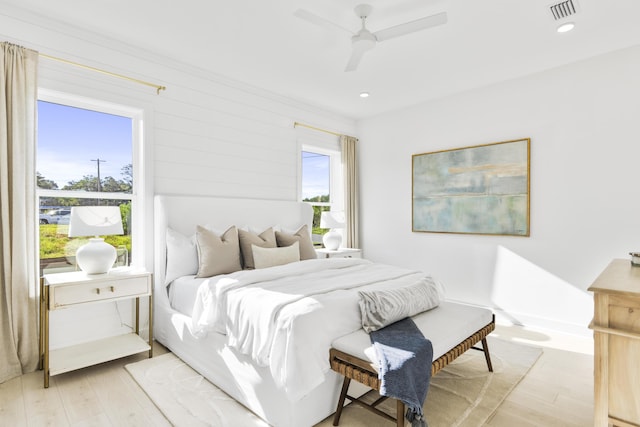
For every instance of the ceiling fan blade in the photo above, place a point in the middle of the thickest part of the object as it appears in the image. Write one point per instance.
(354, 60)
(318, 20)
(413, 26)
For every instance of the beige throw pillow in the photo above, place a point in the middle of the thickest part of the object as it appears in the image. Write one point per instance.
(266, 239)
(270, 257)
(217, 254)
(303, 238)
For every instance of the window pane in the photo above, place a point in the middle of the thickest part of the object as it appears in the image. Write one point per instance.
(316, 177)
(317, 232)
(57, 250)
(316, 184)
(81, 150)
(77, 146)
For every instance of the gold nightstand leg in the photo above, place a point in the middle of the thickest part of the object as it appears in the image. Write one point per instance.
(45, 339)
(138, 316)
(41, 329)
(151, 325)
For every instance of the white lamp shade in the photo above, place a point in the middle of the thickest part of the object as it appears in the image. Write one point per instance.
(332, 219)
(97, 256)
(95, 221)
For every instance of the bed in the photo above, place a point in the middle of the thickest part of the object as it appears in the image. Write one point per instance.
(216, 324)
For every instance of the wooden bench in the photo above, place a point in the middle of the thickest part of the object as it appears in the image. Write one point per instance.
(354, 365)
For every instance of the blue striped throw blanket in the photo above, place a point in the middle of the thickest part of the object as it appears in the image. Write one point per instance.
(404, 358)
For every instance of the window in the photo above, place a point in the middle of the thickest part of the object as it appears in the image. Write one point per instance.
(86, 155)
(320, 184)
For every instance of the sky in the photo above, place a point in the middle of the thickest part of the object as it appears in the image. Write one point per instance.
(315, 174)
(70, 138)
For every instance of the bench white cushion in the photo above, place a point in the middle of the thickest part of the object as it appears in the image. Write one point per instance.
(446, 326)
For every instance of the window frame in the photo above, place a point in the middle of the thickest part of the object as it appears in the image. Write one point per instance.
(138, 252)
(331, 148)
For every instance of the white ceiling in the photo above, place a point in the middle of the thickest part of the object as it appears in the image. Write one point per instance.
(262, 43)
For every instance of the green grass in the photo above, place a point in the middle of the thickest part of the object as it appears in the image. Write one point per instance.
(54, 242)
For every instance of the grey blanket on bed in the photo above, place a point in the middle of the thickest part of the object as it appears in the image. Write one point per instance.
(404, 358)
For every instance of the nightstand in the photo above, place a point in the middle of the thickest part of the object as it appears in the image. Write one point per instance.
(65, 290)
(339, 253)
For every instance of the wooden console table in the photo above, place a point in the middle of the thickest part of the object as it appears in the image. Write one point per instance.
(616, 326)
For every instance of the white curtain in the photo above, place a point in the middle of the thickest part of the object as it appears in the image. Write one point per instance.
(18, 267)
(350, 171)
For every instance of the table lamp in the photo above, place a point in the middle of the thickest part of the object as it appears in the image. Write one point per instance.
(95, 257)
(333, 220)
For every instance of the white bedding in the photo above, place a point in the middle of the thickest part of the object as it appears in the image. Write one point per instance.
(182, 293)
(286, 317)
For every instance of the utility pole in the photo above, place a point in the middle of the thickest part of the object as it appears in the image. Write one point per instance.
(98, 161)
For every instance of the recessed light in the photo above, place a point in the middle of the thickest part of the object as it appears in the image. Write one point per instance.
(364, 94)
(567, 26)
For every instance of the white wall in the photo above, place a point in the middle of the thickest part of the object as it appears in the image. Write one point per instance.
(583, 120)
(209, 135)
(204, 135)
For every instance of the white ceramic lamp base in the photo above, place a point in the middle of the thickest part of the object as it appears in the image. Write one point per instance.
(332, 240)
(96, 257)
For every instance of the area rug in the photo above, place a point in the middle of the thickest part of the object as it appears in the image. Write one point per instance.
(462, 394)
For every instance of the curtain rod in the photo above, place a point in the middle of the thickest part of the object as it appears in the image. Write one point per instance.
(296, 124)
(109, 73)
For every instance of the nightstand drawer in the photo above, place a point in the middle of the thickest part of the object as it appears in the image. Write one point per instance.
(339, 253)
(92, 291)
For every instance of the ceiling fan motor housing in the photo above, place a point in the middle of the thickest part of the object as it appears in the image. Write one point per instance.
(364, 39)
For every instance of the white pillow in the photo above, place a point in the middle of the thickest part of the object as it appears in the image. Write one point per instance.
(269, 257)
(182, 256)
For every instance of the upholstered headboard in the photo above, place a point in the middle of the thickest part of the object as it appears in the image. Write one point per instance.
(184, 213)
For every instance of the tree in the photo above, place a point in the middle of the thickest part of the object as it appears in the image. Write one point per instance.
(87, 183)
(107, 185)
(44, 183)
(127, 175)
(318, 199)
(110, 185)
(317, 210)
(125, 211)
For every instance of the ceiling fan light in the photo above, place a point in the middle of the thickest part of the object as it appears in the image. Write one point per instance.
(364, 94)
(566, 27)
(364, 40)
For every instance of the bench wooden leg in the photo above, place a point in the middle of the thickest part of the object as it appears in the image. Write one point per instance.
(485, 349)
(343, 395)
(399, 413)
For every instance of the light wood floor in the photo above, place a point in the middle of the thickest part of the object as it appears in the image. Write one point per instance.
(558, 391)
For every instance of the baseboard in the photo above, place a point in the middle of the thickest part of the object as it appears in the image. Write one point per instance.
(530, 321)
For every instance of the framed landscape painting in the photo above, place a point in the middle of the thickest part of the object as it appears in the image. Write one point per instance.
(482, 189)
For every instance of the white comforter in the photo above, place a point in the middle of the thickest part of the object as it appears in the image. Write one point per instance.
(286, 317)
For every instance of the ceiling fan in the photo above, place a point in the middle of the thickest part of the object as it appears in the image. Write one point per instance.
(364, 39)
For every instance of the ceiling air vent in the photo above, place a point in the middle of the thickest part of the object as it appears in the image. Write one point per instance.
(563, 9)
